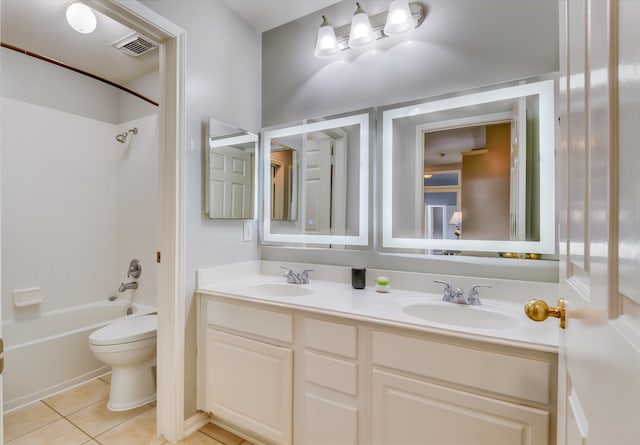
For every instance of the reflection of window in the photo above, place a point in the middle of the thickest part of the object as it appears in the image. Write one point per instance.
(441, 199)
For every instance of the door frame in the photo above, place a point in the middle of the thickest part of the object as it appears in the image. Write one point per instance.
(170, 422)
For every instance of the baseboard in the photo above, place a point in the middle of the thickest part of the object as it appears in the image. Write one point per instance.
(194, 423)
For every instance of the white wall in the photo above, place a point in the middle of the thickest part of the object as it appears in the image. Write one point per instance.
(76, 204)
(222, 82)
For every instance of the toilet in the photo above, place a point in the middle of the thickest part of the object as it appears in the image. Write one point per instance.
(129, 347)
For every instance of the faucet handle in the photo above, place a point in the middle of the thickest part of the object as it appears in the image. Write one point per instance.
(448, 291)
(304, 276)
(474, 295)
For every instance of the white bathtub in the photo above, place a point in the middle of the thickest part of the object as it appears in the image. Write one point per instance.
(51, 353)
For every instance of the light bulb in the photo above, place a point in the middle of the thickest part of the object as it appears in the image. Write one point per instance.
(399, 18)
(326, 43)
(361, 33)
(81, 18)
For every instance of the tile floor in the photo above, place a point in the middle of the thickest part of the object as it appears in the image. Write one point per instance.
(80, 416)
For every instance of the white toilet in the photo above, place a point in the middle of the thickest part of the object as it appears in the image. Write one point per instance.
(129, 347)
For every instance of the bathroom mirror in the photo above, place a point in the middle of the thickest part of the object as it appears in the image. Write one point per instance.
(472, 172)
(316, 181)
(230, 179)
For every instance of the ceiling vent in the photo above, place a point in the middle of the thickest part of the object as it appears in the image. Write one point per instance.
(135, 45)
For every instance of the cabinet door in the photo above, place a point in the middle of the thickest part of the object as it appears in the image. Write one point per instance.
(410, 411)
(329, 421)
(249, 383)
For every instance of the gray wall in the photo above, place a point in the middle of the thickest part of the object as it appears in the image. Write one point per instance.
(460, 45)
(222, 81)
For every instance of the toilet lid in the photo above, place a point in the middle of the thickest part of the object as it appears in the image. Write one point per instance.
(125, 331)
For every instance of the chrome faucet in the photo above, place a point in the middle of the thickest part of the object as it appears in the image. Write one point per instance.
(448, 291)
(123, 287)
(457, 295)
(295, 278)
(474, 297)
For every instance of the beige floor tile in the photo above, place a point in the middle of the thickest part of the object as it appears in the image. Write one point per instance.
(199, 438)
(221, 435)
(139, 430)
(96, 419)
(28, 418)
(60, 432)
(80, 397)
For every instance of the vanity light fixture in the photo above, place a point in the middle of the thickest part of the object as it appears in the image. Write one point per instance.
(81, 18)
(363, 30)
(361, 33)
(326, 44)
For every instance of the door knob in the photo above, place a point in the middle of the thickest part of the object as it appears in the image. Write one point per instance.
(539, 310)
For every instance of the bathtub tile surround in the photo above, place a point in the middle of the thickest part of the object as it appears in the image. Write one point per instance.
(88, 421)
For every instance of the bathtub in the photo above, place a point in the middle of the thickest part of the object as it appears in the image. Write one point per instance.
(51, 353)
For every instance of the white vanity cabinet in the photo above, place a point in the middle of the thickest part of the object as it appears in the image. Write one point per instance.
(246, 368)
(432, 391)
(288, 375)
(328, 406)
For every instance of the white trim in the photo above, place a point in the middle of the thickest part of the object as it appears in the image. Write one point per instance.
(172, 137)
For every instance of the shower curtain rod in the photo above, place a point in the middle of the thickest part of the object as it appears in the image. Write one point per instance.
(77, 70)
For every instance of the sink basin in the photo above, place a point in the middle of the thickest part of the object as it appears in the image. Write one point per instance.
(275, 290)
(478, 317)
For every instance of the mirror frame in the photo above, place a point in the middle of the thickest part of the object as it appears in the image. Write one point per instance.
(362, 239)
(546, 244)
(237, 136)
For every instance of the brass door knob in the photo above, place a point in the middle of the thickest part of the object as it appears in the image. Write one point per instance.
(539, 310)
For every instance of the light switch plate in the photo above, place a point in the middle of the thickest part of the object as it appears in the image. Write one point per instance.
(247, 231)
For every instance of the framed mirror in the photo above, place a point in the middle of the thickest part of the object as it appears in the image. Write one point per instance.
(316, 182)
(473, 172)
(231, 173)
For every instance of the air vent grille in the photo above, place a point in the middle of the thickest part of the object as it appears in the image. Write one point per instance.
(135, 45)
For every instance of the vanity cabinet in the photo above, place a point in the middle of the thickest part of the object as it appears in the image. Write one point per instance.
(286, 375)
(433, 392)
(328, 404)
(247, 369)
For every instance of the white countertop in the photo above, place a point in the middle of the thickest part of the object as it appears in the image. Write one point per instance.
(338, 298)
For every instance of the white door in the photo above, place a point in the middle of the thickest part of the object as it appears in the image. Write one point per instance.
(230, 185)
(318, 186)
(599, 362)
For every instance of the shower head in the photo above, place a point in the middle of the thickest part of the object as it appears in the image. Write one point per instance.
(122, 137)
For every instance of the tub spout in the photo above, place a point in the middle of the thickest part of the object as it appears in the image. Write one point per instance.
(123, 287)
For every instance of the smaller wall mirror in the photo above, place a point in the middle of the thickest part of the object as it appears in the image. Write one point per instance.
(316, 182)
(473, 172)
(230, 179)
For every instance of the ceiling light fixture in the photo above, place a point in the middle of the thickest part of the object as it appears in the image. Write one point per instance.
(81, 18)
(363, 30)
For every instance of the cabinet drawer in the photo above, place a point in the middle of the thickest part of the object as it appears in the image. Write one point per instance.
(407, 410)
(331, 337)
(331, 372)
(509, 374)
(251, 320)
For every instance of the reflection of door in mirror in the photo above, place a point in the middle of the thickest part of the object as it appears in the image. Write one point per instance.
(231, 183)
(325, 184)
(283, 199)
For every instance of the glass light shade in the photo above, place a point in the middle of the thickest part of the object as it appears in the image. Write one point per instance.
(399, 18)
(456, 218)
(326, 43)
(81, 18)
(361, 33)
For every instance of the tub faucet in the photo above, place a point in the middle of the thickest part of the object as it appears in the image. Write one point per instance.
(123, 287)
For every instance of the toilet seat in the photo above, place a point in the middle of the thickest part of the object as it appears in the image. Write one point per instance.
(130, 330)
